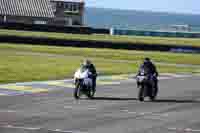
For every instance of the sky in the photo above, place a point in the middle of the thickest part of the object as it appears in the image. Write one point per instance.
(174, 6)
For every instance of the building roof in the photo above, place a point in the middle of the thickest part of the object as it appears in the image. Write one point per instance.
(77, 1)
(32, 8)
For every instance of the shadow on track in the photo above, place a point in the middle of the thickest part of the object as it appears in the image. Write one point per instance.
(175, 101)
(114, 99)
(135, 99)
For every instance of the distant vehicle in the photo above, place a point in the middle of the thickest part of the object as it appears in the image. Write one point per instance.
(146, 86)
(83, 83)
(180, 27)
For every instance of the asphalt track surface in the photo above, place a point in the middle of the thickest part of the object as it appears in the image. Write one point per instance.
(114, 110)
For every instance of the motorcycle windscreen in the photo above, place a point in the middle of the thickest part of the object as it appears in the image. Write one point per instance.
(81, 74)
(140, 78)
(144, 72)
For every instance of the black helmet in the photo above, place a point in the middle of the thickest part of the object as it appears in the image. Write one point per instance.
(86, 62)
(146, 59)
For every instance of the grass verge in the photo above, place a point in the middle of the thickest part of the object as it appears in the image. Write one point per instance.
(127, 55)
(20, 63)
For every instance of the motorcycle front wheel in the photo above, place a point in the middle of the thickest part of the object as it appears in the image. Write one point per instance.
(141, 93)
(77, 92)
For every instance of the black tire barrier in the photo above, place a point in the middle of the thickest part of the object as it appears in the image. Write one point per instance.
(97, 44)
(53, 28)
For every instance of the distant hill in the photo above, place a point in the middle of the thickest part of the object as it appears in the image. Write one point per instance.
(106, 18)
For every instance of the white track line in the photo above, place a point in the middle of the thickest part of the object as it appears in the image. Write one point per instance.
(153, 118)
(39, 128)
(26, 128)
(8, 111)
(184, 129)
(92, 108)
(62, 131)
(128, 112)
(68, 107)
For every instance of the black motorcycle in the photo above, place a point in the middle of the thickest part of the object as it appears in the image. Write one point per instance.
(146, 86)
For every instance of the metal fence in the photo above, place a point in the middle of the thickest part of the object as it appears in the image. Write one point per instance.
(154, 33)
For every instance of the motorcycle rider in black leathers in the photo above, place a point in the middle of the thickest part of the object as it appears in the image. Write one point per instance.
(88, 65)
(151, 70)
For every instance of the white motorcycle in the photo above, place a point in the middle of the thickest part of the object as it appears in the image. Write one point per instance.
(83, 83)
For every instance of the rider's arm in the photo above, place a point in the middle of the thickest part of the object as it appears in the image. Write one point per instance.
(138, 73)
(93, 69)
(155, 70)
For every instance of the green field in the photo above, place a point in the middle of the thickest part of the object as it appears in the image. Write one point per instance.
(127, 55)
(107, 38)
(35, 63)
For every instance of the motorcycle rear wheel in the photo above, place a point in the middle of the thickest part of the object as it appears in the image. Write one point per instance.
(153, 98)
(91, 94)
